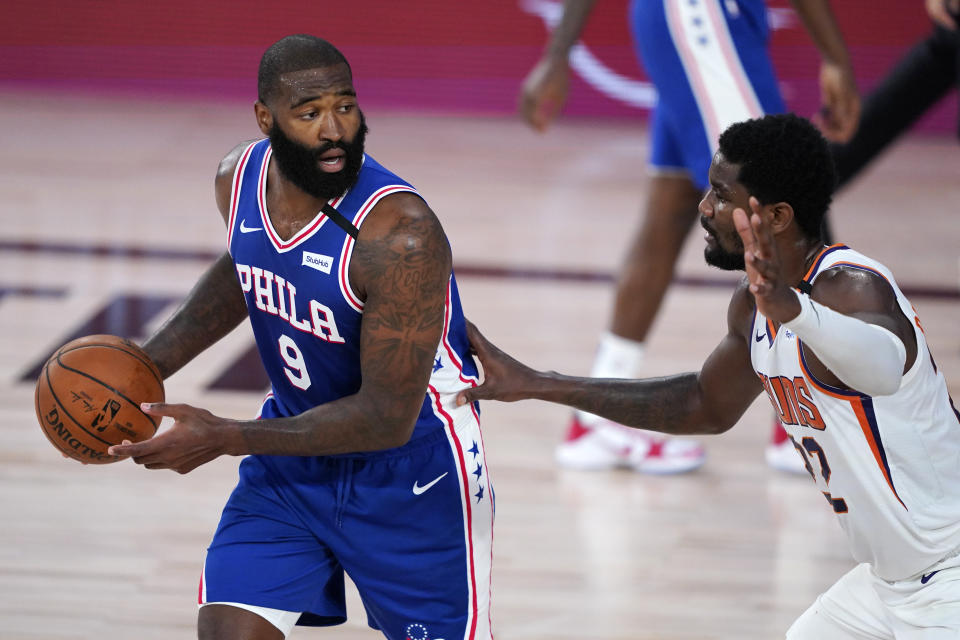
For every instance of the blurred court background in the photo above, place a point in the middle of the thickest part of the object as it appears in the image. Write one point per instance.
(115, 117)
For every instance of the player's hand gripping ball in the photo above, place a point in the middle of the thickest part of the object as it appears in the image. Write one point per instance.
(89, 393)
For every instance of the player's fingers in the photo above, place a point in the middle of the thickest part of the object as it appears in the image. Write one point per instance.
(175, 411)
(846, 115)
(477, 339)
(541, 115)
(479, 343)
(464, 397)
(741, 223)
(763, 235)
(841, 115)
(536, 105)
(472, 395)
(528, 108)
(132, 449)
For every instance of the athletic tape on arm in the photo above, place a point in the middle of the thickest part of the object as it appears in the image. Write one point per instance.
(866, 357)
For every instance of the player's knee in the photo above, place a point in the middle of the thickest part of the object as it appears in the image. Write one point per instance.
(221, 622)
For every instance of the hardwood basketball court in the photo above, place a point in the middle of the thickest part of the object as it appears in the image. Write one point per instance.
(108, 219)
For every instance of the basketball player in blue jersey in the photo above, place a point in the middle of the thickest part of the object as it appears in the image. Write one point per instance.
(711, 67)
(361, 462)
(827, 334)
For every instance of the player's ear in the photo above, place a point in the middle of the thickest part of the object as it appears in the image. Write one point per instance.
(264, 117)
(781, 216)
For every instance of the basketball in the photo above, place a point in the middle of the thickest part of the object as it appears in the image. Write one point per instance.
(89, 393)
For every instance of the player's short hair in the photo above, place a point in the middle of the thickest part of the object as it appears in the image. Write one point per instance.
(294, 53)
(784, 158)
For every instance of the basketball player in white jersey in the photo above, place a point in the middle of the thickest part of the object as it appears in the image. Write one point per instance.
(710, 64)
(840, 352)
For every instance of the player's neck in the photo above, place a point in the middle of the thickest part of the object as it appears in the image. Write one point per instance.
(798, 257)
(289, 206)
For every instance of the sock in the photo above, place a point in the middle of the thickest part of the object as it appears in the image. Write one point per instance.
(616, 358)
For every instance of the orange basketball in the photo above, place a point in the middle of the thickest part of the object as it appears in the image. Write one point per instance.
(89, 393)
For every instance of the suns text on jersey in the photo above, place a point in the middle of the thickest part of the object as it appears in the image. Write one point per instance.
(274, 295)
(792, 400)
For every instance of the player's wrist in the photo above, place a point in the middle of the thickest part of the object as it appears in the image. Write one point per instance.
(232, 436)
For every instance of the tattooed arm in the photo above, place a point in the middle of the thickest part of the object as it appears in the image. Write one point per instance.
(400, 267)
(688, 403)
(213, 308)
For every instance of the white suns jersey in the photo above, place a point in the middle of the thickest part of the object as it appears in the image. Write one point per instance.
(889, 466)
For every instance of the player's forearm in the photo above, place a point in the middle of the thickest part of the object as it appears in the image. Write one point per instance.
(671, 404)
(356, 423)
(211, 310)
(565, 35)
(818, 18)
(865, 356)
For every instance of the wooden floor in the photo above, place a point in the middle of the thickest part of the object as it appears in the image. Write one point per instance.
(108, 217)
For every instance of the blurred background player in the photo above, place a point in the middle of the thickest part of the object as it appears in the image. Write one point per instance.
(709, 62)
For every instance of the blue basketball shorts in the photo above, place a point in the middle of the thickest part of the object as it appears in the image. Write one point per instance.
(710, 64)
(412, 527)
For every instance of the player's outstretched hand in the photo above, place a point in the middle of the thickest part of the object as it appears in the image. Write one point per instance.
(504, 378)
(774, 298)
(196, 437)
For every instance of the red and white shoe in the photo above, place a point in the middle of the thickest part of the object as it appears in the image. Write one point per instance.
(656, 454)
(780, 452)
(609, 445)
(587, 449)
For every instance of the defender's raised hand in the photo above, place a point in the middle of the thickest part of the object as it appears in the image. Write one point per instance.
(504, 378)
(772, 293)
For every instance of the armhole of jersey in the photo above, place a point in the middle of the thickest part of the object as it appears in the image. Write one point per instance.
(902, 303)
(343, 276)
(235, 193)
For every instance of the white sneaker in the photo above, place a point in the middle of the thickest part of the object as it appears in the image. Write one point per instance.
(592, 449)
(781, 454)
(610, 446)
(656, 454)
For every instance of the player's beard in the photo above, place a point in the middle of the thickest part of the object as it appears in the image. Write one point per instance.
(300, 164)
(717, 256)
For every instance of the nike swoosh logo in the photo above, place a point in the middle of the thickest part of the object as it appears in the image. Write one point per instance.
(245, 229)
(926, 577)
(758, 338)
(417, 489)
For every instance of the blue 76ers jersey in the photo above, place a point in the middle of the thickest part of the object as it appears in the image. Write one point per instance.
(305, 315)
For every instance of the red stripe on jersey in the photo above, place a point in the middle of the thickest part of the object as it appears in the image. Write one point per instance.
(462, 463)
(348, 243)
(301, 235)
(448, 310)
(235, 192)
